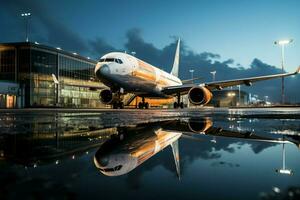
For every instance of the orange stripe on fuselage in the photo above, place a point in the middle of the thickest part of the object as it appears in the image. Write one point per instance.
(145, 65)
(143, 75)
(145, 71)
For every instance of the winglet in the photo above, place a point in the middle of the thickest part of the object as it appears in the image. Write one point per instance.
(175, 68)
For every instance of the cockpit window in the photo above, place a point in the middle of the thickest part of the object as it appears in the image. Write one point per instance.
(109, 60)
(117, 168)
(116, 60)
(120, 61)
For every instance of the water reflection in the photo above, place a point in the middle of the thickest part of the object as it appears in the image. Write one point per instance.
(76, 153)
(132, 146)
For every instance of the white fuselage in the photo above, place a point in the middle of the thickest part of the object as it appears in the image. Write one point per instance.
(120, 70)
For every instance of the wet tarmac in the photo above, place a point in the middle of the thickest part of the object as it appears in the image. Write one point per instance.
(150, 154)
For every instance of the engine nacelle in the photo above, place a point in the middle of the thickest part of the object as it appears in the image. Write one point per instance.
(107, 96)
(200, 126)
(199, 95)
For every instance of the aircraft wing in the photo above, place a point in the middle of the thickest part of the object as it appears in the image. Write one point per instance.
(183, 89)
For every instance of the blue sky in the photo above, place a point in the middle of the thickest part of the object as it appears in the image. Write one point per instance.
(237, 29)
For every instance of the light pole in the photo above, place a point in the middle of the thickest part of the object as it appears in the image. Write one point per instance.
(26, 17)
(239, 86)
(192, 74)
(213, 75)
(266, 98)
(282, 43)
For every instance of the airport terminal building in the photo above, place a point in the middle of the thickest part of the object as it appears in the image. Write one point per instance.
(26, 78)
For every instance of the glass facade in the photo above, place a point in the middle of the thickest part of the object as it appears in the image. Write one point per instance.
(7, 64)
(77, 76)
(32, 66)
(43, 65)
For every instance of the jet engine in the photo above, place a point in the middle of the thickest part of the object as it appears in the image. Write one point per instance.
(199, 95)
(107, 96)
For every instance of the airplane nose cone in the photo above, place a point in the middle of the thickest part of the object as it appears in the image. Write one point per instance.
(102, 69)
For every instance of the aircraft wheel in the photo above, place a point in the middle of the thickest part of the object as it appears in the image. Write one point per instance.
(175, 105)
(115, 106)
(140, 105)
(121, 137)
(121, 105)
(181, 105)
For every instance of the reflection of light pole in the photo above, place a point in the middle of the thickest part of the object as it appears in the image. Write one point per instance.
(192, 74)
(282, 43)
(283, 170)
(26, 17)
(213, 75)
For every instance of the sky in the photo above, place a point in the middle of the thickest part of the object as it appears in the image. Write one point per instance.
(239, 34)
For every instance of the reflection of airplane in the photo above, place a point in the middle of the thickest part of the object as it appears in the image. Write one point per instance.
(124, 73)
(120, 156)
(135, 145)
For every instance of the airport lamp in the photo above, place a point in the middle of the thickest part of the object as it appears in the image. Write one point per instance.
(192, 74)
(239, 86)
(26, 17)
(282, 43)
(213, 75)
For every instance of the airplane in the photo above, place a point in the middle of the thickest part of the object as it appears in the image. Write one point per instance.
(124, 73)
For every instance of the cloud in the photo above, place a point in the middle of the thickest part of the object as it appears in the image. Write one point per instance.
(45, 27)
(145, 51)
(228, 62)
(100, 47)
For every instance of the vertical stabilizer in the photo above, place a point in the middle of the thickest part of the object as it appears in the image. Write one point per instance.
(175, 150)
(175, 68)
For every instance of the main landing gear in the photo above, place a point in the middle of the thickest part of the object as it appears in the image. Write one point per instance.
(178, 104)
(143, 104)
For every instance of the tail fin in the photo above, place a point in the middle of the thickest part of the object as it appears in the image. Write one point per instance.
(175, 150)
(175, 68)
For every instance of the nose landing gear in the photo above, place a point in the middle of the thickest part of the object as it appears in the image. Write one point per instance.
(118, 103)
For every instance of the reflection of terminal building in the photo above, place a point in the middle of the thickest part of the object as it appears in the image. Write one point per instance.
(226, 98)
(26, 77)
